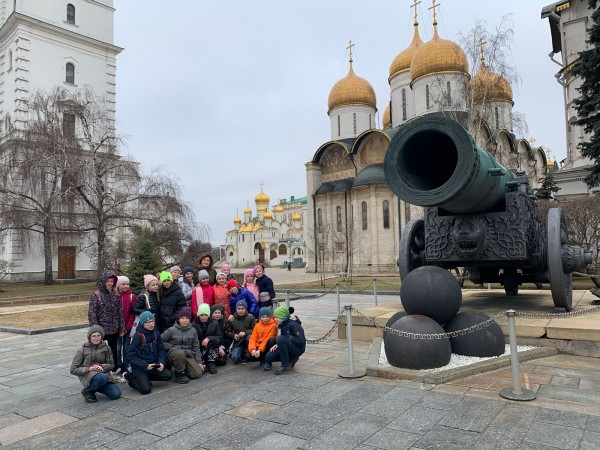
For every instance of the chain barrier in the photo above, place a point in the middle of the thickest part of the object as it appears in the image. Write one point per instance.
(581, 312)
(329, 333)
(302, 297)
(357, 289)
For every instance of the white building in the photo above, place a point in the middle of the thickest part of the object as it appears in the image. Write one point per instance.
(45, 44)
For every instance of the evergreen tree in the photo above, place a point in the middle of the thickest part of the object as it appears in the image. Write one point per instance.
(144, 260)
(588, 104)
(548, 188)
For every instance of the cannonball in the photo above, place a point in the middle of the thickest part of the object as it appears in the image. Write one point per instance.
(431, 291)
(486, 342)
(393, 319)
(412, 353)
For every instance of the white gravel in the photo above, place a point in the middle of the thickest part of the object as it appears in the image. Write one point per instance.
(455, 360)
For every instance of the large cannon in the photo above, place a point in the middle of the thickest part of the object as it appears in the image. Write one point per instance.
(478, 214)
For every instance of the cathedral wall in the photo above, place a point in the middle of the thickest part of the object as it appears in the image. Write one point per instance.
(401, 82)
(431, 93)
(353, 120)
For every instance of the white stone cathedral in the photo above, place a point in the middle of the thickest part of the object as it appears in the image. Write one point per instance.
(349, 202)
(45, 44)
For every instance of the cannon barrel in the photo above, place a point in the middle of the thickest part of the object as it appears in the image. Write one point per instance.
(434, 161)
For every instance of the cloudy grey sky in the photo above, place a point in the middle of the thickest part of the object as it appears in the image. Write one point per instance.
(226, 94)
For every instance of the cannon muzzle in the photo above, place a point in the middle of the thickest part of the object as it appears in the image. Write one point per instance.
(434, 161)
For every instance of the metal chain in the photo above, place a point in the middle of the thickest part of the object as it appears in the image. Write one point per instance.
(329, 333)
(581, 312)
(357, 289)
(301, 297)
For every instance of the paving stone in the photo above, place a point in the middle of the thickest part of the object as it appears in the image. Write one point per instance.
(445, 438)
(513, 417)
(438, 400)
(137, 440)
(242, 396)
(552, 435)
(284, 394)
(276, 440)
(54, 403)
(7, 420)
(95, 439)
(417, 419)
(388, 438)
(329, 392)
(349, 432)
(593, 423)
(32, 427)
(565, 372)
(394, 402)
(565, 382)
(187, 418)
(526, 445)
(252, 409)
(589, 385)
(499, 438)
(590, 441)
(564, 418)
(129, 425)
(243, 436)
(574, 395)
(472, 414)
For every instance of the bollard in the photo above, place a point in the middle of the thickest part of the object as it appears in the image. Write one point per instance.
(516, 393)
(351, 372)
(337, 294)
(375, 290)
(287, 298)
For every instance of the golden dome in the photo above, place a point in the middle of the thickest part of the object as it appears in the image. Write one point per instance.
(296, 217)
(262, 197)
(268, 215)
(402, 62)
(261, 209)
(489, 87)
(387, 117)
(237, 220)
(438, 56)
(247, 210)
(278, 209)
(351, 90)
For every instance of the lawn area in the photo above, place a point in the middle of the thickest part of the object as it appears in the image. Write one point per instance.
(52, 317)
(19, 290)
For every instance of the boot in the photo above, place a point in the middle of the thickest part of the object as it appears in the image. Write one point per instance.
(211, 367)
(88, 396)
(181, 378)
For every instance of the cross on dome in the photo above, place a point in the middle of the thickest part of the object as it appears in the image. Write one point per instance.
(414, 5)
(433, 6)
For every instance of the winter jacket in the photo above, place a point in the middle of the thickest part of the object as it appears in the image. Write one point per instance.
(244, 294)
(146, 301)
(128, 300)
(187, 291)
(221, 297)
(146, 350)
(239, 323)
(90, 354)
(292, 329)
(212, 273)
(265, 284)
(170, 301)
(209, 329)
(252, 287)
(105, 307)
(261, 334)
(184, 338)
(202, 293)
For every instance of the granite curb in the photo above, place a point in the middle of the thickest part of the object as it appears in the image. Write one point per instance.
(42, 330)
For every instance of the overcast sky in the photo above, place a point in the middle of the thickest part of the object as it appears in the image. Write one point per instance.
(226, 94)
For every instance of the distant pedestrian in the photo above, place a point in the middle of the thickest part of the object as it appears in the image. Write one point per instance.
(289, 266)
(92, 364)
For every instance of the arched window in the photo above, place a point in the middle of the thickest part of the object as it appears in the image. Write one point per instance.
(339, 126)
(319, 220)
(364, 215)
(386, 214)
(71, 14)
(427, 96)
(403, 104)
(282, 250)
(497, 118)
(70, 73)
(449, 92)
(10, 58)
(338, 212)
(354, 120)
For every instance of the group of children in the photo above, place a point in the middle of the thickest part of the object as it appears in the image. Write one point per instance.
(177, 329)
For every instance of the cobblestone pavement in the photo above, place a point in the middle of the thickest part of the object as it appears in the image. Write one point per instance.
(309, 408)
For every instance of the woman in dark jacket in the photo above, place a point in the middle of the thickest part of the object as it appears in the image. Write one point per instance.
(205, 262)
(147, 357)
(170, 301)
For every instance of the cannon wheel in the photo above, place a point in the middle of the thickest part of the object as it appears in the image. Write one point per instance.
(560, 282)
(412, 245)
(511, 282)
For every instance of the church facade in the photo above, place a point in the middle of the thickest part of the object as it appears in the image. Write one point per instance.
(354, 220)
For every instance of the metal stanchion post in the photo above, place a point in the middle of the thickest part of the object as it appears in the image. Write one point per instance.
(287, 298)
(337, 295)
(375, 290)
(351, 372)
(516, 392)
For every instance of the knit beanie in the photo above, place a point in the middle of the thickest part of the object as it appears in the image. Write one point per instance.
(213, 308)
(95, 329)
(164, 276)
(282, 312)
(249, 272)
(221, 274)
(120, 280)
(203, 308)
(186, 311)
(232, 283)
(225, 266)
(148, 279)
(202, 274)
(187, 269)
(175, 269)
(242, 303)
(264, 311)
(259, 266)
(145, 317)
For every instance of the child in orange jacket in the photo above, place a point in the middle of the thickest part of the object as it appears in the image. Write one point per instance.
(263, 337)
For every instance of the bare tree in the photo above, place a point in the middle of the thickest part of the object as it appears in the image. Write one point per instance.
(320, 238)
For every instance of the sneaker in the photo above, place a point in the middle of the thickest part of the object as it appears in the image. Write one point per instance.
(267, 366)
(294, 361)
(89, 398)
(116, 372)
(211, 368)
(120, 379)
(126, 376)
(246, 360)
(237, 360)
(181, 378)
(282, 370)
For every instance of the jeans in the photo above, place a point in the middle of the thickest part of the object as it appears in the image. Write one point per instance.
(142, 382)
(286, 351)
(101, 383)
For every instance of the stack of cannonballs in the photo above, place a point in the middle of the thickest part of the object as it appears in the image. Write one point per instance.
(431, 298)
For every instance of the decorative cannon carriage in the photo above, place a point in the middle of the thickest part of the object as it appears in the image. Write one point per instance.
(478, 214)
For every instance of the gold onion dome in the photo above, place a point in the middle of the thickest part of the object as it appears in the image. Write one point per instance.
(438, 56)
(247, 210)
(268, 215)
(262, 197)
(237, 220)
(278, 209)
(402, 62)
(387, 118)
(296, 217)
(351, 90)
(261, 209)
(489, 87)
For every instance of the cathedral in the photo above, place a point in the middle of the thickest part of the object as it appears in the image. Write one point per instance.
(354, 220)
(274, 238)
